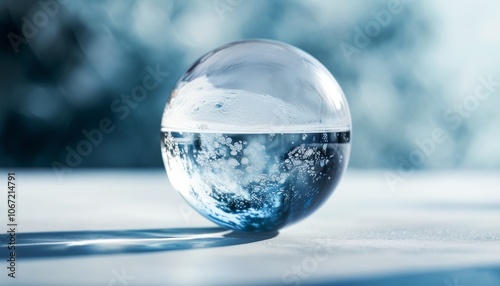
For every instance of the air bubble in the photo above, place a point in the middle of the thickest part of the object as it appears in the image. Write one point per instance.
(246, 135)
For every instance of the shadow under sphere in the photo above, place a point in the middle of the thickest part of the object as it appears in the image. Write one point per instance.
(86, 243)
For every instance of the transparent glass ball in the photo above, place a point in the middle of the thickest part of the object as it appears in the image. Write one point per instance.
(256, 135)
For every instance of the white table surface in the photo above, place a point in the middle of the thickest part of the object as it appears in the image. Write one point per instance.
(434, 228)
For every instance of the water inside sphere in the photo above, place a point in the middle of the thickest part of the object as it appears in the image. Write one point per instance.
(256, 135)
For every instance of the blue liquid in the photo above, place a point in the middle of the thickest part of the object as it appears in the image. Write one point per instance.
(255, 182)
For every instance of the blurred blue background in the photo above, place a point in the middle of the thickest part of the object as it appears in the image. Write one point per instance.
(422, 77)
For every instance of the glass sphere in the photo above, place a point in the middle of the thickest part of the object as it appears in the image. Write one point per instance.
(256, 135)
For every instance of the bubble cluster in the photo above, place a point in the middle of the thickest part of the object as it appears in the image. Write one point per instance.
(255, 181)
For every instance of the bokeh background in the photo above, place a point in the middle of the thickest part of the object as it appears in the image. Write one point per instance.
(422, 77)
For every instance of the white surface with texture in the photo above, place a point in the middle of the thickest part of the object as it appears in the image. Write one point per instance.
(431, 221)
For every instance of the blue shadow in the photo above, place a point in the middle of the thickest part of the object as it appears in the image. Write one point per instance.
(86, 243)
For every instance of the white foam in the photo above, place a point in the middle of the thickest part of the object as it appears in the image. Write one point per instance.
(205, 108)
